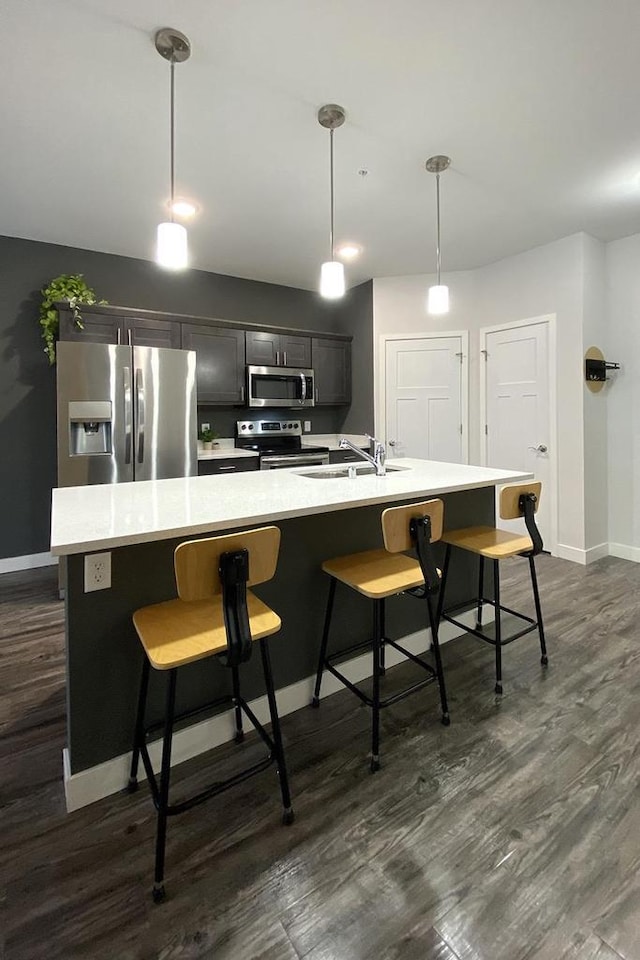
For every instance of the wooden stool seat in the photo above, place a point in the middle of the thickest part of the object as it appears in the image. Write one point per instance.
(176, 632)
(490, 542)
(376, 573)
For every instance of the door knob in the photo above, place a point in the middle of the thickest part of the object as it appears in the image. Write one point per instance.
(392, 443)
(541, 448)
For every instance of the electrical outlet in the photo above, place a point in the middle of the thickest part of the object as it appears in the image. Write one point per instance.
(97, 572)
(205, 426)
(307, 426)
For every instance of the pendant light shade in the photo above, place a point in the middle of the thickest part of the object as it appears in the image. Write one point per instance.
(438, 297)
(332, 280)
(332, 285)
(171, 248)
(172, 245)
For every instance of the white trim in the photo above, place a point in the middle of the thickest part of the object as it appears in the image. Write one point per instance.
(94, 783)
(27, 562)
(550, 320)
(380, 394)
(624, 552)
(584, 557)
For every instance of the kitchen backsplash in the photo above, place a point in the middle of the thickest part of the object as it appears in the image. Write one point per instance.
(223, 419)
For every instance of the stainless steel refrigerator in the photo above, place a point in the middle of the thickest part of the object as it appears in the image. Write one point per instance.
(125, 413)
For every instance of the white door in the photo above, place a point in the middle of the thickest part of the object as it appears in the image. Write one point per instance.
(517, 429)
(425, 388)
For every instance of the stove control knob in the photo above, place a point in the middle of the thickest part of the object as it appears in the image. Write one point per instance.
(244, 426)
(250, 426)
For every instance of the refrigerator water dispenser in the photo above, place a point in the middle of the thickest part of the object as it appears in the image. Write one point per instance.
(89, 428)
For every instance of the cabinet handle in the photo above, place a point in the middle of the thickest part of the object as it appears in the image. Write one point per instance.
(241, 394)
(277, 358)
(231, 466)
(284, 354)
(129, 338)
(317, 395)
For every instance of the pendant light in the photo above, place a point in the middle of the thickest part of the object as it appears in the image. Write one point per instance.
(438, 299)
(332, 284)
(171, 250)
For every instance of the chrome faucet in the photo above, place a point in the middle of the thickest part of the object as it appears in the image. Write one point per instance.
(379, 453)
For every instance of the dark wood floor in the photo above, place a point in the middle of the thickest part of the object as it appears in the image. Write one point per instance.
(513, 834)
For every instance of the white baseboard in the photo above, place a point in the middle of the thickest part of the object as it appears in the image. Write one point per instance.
(28, 562)
(596, 553)
(624, 552)
(110, 777)
(572, 553)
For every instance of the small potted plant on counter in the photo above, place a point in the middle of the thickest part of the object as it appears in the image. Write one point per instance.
(208, 438)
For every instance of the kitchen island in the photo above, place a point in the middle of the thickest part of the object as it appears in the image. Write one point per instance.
(141, 523)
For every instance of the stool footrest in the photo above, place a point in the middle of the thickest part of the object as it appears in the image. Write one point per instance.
(533, 624)
(220, 785)
(394, 698)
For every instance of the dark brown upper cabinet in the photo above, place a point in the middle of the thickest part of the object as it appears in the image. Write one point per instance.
(110, 328)
(266, 349)
(220, 367)
(331, 361)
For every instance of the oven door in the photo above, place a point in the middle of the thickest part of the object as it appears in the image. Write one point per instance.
(275, 461)
(280, 387)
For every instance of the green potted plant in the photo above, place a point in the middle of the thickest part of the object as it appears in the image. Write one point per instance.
(72, 288)
(208, 438)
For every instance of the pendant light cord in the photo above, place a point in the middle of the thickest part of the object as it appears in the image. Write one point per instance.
(173, 134)
(438, 226)
(331, 256)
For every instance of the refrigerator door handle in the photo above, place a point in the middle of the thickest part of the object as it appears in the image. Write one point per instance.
(140, 413)
(127, 414)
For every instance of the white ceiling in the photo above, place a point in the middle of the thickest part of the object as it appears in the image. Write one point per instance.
(536, 101)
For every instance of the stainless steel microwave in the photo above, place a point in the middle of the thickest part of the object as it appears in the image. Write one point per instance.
(280, 387)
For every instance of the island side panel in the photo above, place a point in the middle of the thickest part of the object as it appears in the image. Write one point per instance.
(105, 657)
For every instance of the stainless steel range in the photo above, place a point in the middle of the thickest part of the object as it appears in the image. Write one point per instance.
(279, 443)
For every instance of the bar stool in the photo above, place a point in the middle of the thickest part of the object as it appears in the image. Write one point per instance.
(215, 615)
(491, 543)
(378, 574)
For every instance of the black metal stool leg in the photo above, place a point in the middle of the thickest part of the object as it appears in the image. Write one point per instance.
(496, 595)
(287, 816)
(536, 596)
(138, 735)
(480, 594)
(378, 607)
(443, 583)
(163, 799)
(325, 640)
(446, 719)
(383, 636)
(239, 737)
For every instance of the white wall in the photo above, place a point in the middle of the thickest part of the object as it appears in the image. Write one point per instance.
(546, 280)
(594, 334)
(622, 344)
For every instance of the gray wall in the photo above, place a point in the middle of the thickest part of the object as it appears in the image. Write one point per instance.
(355, 317)
(27, 383)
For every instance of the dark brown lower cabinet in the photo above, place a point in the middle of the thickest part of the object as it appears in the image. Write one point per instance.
(206, 468)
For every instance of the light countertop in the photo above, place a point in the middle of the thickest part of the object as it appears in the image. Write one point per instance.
(225, 449)
(115, 515)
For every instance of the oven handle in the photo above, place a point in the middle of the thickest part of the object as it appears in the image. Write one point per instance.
(304, 459)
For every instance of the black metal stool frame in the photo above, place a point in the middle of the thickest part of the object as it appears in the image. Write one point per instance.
(234, 575)
(421, 534)
(527, 504)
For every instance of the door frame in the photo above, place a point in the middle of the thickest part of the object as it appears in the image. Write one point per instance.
(550, 320)
(380, 394)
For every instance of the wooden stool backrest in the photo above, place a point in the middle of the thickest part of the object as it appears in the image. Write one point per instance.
(395, 523)
(509, 497)
(196, 561)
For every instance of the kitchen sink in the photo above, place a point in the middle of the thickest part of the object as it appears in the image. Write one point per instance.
(364, 471)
